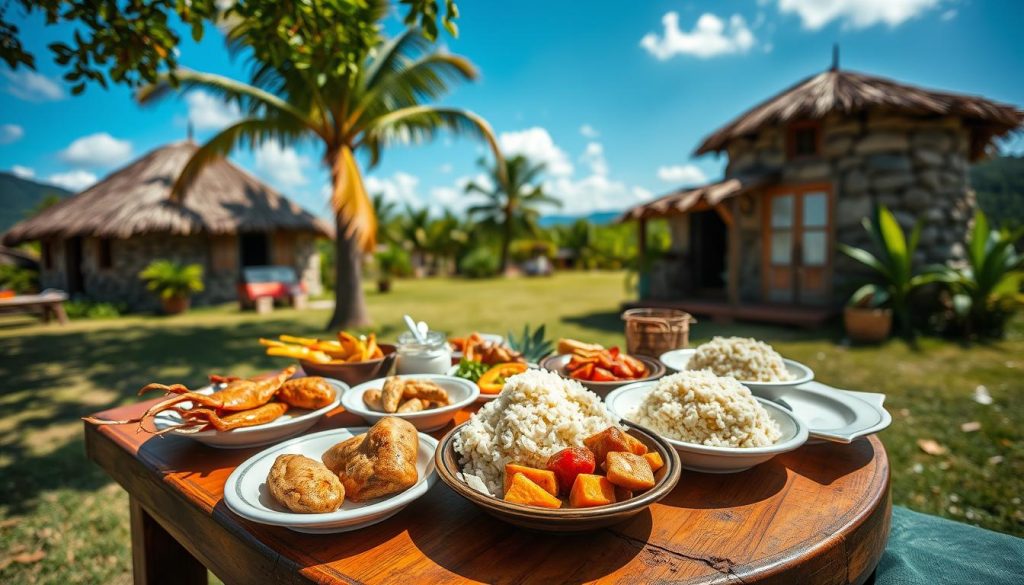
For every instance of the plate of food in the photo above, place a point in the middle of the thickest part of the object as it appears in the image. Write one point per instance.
(236, 413)
(488, 359)
(428, 401)
(475, 343)
(351, 358)
(489, 379)
(714, 422)
(754, 363)
(599, 369)
(548, 455)
(336, 480)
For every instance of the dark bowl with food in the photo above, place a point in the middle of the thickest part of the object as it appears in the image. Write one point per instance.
(558, 363)
(354, 373)
(562, 519)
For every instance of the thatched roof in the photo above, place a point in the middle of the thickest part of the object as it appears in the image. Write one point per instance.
(698, 198)
(848, 92)
(134, 201)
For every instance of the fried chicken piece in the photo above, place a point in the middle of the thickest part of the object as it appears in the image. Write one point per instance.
(379, 463)
(391, 394)
(305, 485)
(412, 405)
(371, 398)
(424, 390)
(311, 392)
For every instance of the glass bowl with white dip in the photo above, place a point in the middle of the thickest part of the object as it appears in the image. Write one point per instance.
(432, 356)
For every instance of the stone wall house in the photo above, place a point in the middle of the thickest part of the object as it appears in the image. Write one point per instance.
(805, 167)
(95, 243)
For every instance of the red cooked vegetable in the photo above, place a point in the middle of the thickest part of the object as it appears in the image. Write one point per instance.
(570, 462)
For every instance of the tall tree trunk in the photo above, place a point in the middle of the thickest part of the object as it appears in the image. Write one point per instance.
(349, 302)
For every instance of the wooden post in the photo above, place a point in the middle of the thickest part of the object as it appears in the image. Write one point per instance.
(734, 258)
(156, 556)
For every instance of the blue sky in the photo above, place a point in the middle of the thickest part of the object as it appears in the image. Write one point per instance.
(613, 96)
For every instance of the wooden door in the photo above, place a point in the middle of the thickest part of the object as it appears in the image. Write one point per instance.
(798, 244)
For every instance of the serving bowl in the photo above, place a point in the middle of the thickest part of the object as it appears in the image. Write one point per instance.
(678, 358)
(557, 364)
(461, 392)
(353, 373)
(624, 401)
(289, 424)
(246, 493)
(562, 519)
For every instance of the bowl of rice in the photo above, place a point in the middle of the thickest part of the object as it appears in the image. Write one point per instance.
(537, 414)
(714, 422)
(754, 363)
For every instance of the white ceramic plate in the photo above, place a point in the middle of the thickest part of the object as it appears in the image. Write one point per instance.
(289, 424)
(461, 392)
(246, 492)
(832, 414)
(625, 400)
(801, 374)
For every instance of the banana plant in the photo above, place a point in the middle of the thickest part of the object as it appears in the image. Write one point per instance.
(894, 278)
(987, 290)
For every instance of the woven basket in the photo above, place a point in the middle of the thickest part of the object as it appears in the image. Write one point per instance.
(652, 332)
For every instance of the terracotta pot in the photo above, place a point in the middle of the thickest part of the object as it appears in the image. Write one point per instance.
(383, 285)
(176, 305)
(865, 325)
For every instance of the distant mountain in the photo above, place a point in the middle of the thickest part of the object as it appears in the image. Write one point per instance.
(20, 196)
(597, 218)
(999, 183)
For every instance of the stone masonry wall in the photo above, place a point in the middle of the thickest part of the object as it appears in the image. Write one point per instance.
(915, 166)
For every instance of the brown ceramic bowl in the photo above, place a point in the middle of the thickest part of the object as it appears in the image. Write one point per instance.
(354, 373)
(562, 519)
(557, 363)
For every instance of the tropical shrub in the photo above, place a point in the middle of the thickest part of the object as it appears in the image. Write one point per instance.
(480, 263)
(20, 280)
(393, 261)
(986, 292)
(521, 250)
(81, 309)
(169, 279)
(894, 279)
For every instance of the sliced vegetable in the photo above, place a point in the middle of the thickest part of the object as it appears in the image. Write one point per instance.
(471, 370)
(629, 471)
(493, 380)
(524, 491)
(542, 477)
(654, 460)
(591, 490)
(570, 462)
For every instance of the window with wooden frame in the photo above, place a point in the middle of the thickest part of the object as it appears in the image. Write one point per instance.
(803, 140)
(104, 254)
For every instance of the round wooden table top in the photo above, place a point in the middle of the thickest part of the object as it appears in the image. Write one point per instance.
(819, 514)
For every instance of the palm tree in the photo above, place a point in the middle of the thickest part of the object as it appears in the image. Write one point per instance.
(446, 236)
(387, 220)
(512, 198)
(364, 110)
(414, 227)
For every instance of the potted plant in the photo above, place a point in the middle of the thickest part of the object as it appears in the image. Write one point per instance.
(865, 317)
(893, 272)
(391, 262)
(174, 283)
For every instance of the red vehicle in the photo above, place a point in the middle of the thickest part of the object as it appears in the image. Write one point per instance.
(279, 283)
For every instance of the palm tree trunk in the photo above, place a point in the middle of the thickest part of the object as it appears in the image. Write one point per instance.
(349, 302)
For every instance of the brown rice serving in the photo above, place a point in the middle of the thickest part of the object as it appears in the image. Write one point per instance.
(742, 358)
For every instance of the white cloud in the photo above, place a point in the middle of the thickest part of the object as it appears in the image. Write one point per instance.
(23, 172)
(76, 180)
(948, 15)
(815, 14)
(445, 168)
(208, 112)
(10, 133)
(32, 87)
(589, 131)
(710, 37)
(593, 157)
(536, 144)
(281, 165)
(685, 174)
(97, 150)
(401, 188)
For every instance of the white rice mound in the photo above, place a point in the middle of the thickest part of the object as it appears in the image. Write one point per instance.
(742, 358)
(537, 414)
(700, 407)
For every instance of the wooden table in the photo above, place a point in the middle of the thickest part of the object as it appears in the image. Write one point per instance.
(49, 304)
(817, 515)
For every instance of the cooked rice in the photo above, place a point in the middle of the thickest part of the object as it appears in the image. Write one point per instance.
(537, 414)
(742, 358)
(700, 407)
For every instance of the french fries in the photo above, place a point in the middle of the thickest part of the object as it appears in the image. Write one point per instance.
(347, 349)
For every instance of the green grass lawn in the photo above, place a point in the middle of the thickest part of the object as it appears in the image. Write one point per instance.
(54, 501)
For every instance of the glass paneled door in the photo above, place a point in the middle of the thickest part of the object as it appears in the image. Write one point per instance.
(797, 244)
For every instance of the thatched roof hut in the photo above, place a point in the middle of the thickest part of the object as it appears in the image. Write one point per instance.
(135, 200)
(95, 243)
(848, 92)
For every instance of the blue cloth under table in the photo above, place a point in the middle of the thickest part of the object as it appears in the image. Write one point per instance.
(932, 550)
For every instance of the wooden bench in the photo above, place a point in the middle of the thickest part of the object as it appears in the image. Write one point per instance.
(47, 304)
